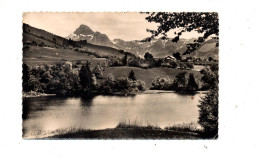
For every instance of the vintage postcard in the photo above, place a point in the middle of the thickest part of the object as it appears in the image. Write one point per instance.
(123, 75)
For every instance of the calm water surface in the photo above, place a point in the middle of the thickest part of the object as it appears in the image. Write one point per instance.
(43, 116)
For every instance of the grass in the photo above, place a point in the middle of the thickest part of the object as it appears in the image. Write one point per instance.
(148, 75)
(189, 127)
(39, 55)
(132, 130)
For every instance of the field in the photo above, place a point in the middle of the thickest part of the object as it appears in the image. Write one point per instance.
(39, 55)
(148, 75)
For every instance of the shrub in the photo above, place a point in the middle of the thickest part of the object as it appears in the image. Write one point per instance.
(180, 81)
(98, 71)
(208, 113)
(189, 65)
(162, 84)
(208, 107)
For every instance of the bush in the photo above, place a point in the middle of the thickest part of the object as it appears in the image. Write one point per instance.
(208, 107)
(208, 111)
(189, 65)
(162, 84)
(180, 81)
(134, 62)
(98, 71)
(108, 85)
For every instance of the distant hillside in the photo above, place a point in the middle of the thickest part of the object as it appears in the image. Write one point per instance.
(157, 47)
(86, 39)
(162, 48)
(39, 36)
(207, 49)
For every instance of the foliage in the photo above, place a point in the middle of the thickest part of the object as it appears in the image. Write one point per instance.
(201, 22)
(122, 85)
(58, 79)
(179, 84)
(210, 77)
(107, 85)
(114, 61)
(135, 62)
(190, 65)
(98, 71)
(132, 75)
(87, 79)
(148, 56)
(26, 78)
(208, 111)
(125, 60)
(162, 84)
(180, 81)
(192, 85)
(208, 107)
(177, 55)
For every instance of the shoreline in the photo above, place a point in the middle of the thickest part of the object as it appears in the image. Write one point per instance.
(128, 133)
(33, 94)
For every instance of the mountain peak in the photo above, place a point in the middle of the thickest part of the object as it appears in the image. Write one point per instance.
(84, 29)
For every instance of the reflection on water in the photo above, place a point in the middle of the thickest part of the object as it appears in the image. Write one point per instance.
(43, 115)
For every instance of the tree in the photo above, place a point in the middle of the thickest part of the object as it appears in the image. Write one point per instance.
(107, 86)
(26, 78)
(149, 59)
(210, 77)
(98, 71)
(132, 75)
(208, 107)
(208, 113)
(180, 81)
(87, 79)
(148, 56)
(192, 85)
(205, 23)
(125, 60)
(177, 55)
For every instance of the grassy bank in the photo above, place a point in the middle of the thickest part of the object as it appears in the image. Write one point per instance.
(133, 131)
(45, 55)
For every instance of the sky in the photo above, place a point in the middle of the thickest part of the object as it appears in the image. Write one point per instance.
(127, 26)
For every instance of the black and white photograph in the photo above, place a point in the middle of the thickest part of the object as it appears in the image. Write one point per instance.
(129, 78)
(120, 75)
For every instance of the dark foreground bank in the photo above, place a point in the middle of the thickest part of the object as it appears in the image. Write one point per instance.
(131, 133)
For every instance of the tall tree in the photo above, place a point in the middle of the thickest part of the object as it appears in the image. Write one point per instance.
(192, 84)
(202, 22)
(208, 107)
(208, 113)
(132, 75)
(180, 81)
(87, 78)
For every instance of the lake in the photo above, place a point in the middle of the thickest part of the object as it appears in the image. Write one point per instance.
(43, 116)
